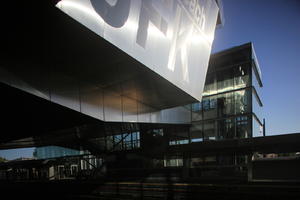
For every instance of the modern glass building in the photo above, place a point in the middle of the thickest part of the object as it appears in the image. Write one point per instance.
(231, 106)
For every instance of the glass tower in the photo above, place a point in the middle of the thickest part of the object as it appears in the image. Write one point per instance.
(231, 106)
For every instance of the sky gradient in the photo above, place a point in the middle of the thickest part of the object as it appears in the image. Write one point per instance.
(274, 28)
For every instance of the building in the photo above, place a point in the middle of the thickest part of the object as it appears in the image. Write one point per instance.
(230, 109)
(103, 67)
(104, 64)
(231, 106)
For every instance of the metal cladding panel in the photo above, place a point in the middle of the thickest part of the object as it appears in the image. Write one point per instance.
(65, 91)
(112, 106)
(171, 37)
(144, 113)
(176, 115)
(31, 85)
(130, 109)
(91, 101)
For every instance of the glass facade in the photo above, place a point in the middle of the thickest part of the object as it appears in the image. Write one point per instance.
(223, 105)
(119, 142)
(257, 128)
(227, 79)
(125, 141)
(231, 106)
(256, 77)
(225, 128)
(53, 152)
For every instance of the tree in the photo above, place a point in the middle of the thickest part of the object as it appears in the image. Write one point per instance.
(2, 160)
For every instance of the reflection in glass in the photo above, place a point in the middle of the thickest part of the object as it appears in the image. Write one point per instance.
(255, 81)
(242, 101)
(209, 130)
(226, 129)
(173, 161)
(209, 107)
(178, 142)
(196, 132)
(257, 109)
(228, 102)
(242, 127)
(257, 128)
(225, 80)
(241, 76)
(225, 104)
(197, 111)
(210, 86)
(123, 141)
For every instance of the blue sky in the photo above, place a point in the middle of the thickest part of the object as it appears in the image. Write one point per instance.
(17, 153)
(274, 28)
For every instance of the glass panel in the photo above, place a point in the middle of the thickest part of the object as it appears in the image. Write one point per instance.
(242, 101)
(123, 141)
(134, 136)
(243, 128)
(255, 83)
(197, 140)
(118, 143)
(109, 142)
(127, 145)
(225, 104)
(136, 140)
(226, 129)
(257, 109)
(209, 131)
(241, 76)
(127, 137)
(54, 151)
(158, 132)
(196, 132)
(210, 86)
(178, 142)
(174, 161)
(196, 162)
(257, 128)
(210, 159)
(197, 111)
(225, 80)
(209, 107)
(179, 162)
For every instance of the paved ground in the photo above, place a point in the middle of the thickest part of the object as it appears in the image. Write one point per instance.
(149, 191)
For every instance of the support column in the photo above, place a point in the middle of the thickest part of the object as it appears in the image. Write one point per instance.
(249, 167)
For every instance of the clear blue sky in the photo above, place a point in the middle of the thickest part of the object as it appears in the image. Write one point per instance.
(274, 28)
(17, 153)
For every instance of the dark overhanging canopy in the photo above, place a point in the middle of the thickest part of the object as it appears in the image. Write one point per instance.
(25, 115)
